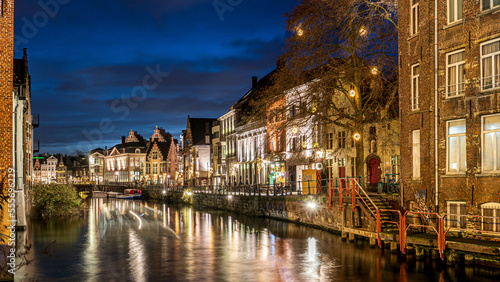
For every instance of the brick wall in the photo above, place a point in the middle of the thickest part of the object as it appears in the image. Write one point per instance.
(475, 28)
(6, 84)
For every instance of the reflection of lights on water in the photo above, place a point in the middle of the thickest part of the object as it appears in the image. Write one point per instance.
(229, 197)
(140, 221)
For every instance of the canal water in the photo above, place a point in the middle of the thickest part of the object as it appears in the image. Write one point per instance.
(122, 240)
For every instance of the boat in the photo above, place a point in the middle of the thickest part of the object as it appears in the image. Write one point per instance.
(113, 194)
(136, 193)
(84, 194)
(130, 194)
(99, 194)
(125, 197)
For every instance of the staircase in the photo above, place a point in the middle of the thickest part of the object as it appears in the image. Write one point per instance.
(381, 202)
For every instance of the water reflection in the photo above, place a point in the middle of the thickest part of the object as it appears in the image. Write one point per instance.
(121, 240)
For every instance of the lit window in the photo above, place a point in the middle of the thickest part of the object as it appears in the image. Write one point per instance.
(414, 17)
(491, 216)
(155, 155)
(455, 73)
(455, 211)
(395, 162)
(490, 64)
(416, 154)
(456, 145)
(454, 10)
(415, 87)
(489, 4)
(155, 168)
(491, 143)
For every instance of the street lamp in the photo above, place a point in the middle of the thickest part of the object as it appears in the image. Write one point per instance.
(356, 136)
(374, 70)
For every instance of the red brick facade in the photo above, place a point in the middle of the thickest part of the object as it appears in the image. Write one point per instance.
(6, 84)
(475, 185)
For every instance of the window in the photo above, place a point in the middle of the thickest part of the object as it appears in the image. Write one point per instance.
(155, 168)
(491, 216)
(491, 143)
(455, 73)
(329, 142)
(395, 163)
(489, 4)
(155, 155)
(148, 168)
(416, 154)
(454, 10)
(455, 212)
(415, 85)
(341, 162)
(456, 146)
(414, 17)
(342, 137)
(490, 64)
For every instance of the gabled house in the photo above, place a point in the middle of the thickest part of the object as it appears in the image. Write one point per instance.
(126, 162)
(161, 158)
(196, 150)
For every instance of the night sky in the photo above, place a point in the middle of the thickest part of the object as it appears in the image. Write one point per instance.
(101, 68)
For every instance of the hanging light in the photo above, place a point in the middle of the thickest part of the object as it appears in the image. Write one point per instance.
(374, 70)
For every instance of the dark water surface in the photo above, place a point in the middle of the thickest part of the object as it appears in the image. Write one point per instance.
(122, 240)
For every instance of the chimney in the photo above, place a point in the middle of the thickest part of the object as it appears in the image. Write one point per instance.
(25, 54)
(254, 81)
(123, 139)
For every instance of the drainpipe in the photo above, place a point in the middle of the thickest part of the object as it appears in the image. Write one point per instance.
(18, 158)
(436, 94)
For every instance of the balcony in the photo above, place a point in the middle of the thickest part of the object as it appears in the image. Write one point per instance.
(35, 121)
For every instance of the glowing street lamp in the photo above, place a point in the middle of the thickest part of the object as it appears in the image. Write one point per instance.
(300, 31)
(362, 31)
(352, 93)
(374, 70)
(356, 136)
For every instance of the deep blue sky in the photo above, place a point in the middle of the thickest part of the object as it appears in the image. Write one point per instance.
(89, 61)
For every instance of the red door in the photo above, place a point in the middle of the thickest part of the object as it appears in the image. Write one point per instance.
(374, 171)
(341, 175)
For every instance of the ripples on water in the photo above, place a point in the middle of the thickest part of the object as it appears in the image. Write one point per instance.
(119, 240)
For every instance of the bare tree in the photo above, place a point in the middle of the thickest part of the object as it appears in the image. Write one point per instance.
(340, 65)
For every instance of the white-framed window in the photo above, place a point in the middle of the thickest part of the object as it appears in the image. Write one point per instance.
(456, 157)
(491, 143)
(454, 10)
(491, 217)
(489, 4)
(456, 210)
(455, 73)
(416, 154)
(415, 87)
(490, 64)
(414, 17)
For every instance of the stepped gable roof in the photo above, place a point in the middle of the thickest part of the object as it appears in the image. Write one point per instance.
(163, 147)
(133, 136)
(200, 127)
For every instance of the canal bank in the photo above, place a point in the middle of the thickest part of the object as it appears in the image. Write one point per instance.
(320, 211)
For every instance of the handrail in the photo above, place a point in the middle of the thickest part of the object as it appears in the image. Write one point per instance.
(362, 199)
(399, 225)
(440, 231)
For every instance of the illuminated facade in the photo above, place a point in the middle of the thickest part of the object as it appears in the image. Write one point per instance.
(161, 158)
(126, 162)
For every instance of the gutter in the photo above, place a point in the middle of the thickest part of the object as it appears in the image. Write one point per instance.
(436, 117)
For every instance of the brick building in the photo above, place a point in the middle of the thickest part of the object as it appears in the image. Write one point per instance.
(6, 83)
(450, 107)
